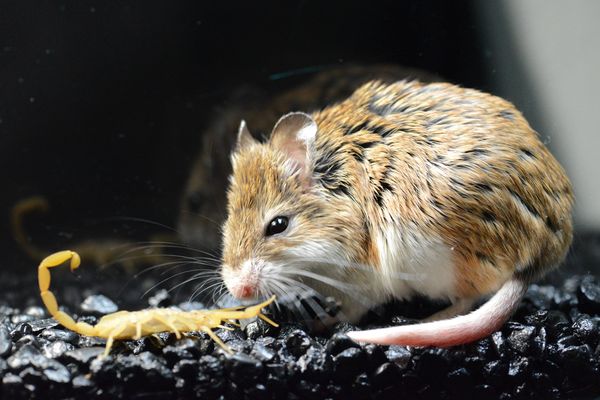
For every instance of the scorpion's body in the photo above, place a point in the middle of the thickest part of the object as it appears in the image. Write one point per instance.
(135, 324)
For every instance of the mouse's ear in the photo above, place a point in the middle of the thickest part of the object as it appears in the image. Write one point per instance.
(244, 137)
(294, 134)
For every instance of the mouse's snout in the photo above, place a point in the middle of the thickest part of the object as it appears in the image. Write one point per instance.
(242, 281)
(243, 291)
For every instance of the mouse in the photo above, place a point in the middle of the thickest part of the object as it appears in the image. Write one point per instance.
(202, 207)
(401, 189)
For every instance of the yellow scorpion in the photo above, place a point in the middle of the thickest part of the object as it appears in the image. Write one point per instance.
(135, 324)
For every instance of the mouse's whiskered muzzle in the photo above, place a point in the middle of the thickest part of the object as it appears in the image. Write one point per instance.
(243, 282)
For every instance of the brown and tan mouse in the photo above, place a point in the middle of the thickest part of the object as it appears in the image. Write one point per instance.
(202, 209)
(402, 189)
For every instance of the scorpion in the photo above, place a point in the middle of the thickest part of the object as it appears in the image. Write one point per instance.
(135, 324)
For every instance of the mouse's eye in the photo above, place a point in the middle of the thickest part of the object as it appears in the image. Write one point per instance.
(277, 225)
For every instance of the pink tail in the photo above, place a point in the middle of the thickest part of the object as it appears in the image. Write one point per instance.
(454, 331)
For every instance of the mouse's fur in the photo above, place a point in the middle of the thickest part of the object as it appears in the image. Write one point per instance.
(202, 207)
(401, 189)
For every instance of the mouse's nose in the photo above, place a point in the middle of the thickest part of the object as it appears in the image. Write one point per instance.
(243, 291)
(243, 281)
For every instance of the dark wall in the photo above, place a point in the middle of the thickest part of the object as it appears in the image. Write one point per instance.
(101, 104)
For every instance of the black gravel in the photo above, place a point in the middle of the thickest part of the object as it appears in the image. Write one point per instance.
(550, 349)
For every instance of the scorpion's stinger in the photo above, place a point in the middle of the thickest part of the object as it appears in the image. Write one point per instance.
(48, 297)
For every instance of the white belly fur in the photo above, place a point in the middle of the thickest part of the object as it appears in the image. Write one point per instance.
(405, 251)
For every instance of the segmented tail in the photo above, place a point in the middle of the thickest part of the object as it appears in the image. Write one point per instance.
(55, 260)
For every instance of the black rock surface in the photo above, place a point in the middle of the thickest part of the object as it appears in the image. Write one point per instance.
(550, 349)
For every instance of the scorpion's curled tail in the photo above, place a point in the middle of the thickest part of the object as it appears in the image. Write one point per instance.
(48, 297)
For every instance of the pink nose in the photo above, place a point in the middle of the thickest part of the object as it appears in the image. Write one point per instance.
(243, 291)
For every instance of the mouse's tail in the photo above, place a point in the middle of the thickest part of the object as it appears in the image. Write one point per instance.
(454, 331)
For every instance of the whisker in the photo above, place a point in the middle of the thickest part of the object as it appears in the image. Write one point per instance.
(143, 220)
(165, 280)
(203, 217)
(222, 292)
(177, 245)
(157, 244)
(206, 285)
(316, 309)
(148, 247)
(208, 275)
(306, 293)
(327, 280)
(165, 264)
(350, 290)
(282, 290)
(264, 292)
(345, 264)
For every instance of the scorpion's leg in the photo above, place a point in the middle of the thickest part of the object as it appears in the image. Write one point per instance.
(189, 323)
(48, 297)
(109, 343)
(138, 330)
(267, 320)
(217, 339)
(112, 335)
(168, 322)
(142, 317)
(227, 328)
(250, 312)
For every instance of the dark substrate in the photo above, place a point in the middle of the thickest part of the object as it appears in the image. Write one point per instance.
(550, 349)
